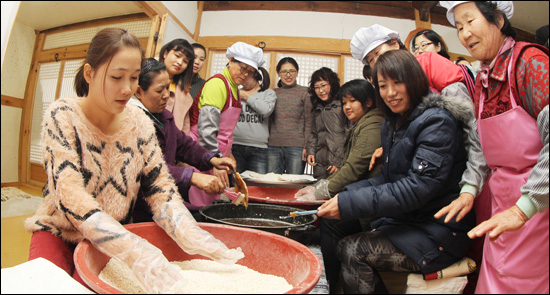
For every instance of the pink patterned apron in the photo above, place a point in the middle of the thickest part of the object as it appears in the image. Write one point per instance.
(228, 121)
(517, 262)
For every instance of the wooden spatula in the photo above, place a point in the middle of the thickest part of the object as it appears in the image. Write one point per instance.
(240, 187)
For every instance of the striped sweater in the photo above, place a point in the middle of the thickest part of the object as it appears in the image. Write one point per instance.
(89, 171)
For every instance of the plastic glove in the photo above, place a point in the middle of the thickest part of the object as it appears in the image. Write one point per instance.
(179, 224)
(151, 269)
(306, 194)
(321, 192)
(318, 191)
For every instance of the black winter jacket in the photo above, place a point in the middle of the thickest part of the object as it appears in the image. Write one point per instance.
(423, 162)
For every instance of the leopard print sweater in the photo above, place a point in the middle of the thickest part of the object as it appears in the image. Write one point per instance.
(89, 171)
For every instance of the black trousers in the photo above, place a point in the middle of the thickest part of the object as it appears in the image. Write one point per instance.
(332, 231)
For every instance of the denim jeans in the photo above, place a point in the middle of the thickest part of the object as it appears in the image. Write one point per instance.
(285, 159)
(250, 158)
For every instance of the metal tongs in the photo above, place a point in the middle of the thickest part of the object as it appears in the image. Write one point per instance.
(241, 191)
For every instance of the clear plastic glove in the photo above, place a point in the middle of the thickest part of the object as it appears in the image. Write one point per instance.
(152, 270)
(306, 194)
(179, 224)
(321, 192)
(318, 191)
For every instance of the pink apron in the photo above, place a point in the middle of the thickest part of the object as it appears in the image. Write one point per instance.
(517, 262)
(228, 121)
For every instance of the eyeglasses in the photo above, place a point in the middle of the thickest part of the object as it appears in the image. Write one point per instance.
(423, 45)
(246, 71)
(322, 87)
(284, 72)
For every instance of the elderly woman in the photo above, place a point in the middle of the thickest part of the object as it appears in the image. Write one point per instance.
(217, 107)
(511, 106)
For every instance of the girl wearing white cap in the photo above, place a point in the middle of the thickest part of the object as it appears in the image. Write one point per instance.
(511, 106)
(218, 107)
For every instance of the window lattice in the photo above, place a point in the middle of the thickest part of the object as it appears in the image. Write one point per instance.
(44, 96)
(309, 64)
(353, 69)
(83, 36)
(67, 84)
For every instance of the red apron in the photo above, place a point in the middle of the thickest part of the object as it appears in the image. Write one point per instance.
(228, 121)
(517, 262)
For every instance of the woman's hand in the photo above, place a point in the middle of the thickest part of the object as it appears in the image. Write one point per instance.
(511, 219)
(304, 154)
(225, 163)
(244, 95)
(222, 175)
(332, 169)
(208, 183)
(375, 156)
(311, 160)
(462, 205)
(330, 209)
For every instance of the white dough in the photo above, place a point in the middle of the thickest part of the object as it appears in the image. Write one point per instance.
(203, 276)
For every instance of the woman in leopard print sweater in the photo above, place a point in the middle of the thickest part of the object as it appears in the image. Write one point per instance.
(98, 154)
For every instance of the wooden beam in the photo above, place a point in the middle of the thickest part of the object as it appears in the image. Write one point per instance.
(98, 22)
(160, 9)
(26, 114)
(290, 44)
(395, 9)
(200, 8)
(11, 101)
(153, 37)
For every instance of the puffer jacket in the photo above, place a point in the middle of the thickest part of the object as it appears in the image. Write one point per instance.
(423, 162)
(327, 136)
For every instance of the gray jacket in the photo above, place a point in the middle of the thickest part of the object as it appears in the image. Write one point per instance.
(327, 136)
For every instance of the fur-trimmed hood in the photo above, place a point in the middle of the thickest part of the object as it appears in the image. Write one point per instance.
(460, 108)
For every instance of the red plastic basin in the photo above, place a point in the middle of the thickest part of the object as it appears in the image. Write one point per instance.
(279, 196)
(264, 252)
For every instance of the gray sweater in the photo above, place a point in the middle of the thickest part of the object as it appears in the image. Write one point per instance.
(291, 121)
(253, 126)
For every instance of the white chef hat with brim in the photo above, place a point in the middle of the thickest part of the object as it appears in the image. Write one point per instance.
(246, 53)
(505, 6)
(367, 39)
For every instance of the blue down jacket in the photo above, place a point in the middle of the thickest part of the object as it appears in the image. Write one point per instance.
(423, 162)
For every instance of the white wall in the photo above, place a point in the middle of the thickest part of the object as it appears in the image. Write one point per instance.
(9, 11)
(309, 24)
(15, 71)
(185, 11)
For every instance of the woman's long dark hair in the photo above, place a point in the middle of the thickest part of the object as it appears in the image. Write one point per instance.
(184, 79)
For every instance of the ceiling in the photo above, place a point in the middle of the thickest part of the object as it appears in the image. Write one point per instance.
(528, 15)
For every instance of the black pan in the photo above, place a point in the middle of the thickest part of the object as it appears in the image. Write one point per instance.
(262, 216)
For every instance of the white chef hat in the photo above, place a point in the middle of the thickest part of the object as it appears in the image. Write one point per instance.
(367, 39)
(248, 54)
(505, 6)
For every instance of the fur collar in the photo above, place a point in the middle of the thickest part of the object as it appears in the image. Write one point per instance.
(460, 108)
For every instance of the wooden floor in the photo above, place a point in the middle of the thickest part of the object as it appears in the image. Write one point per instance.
(15, 239)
